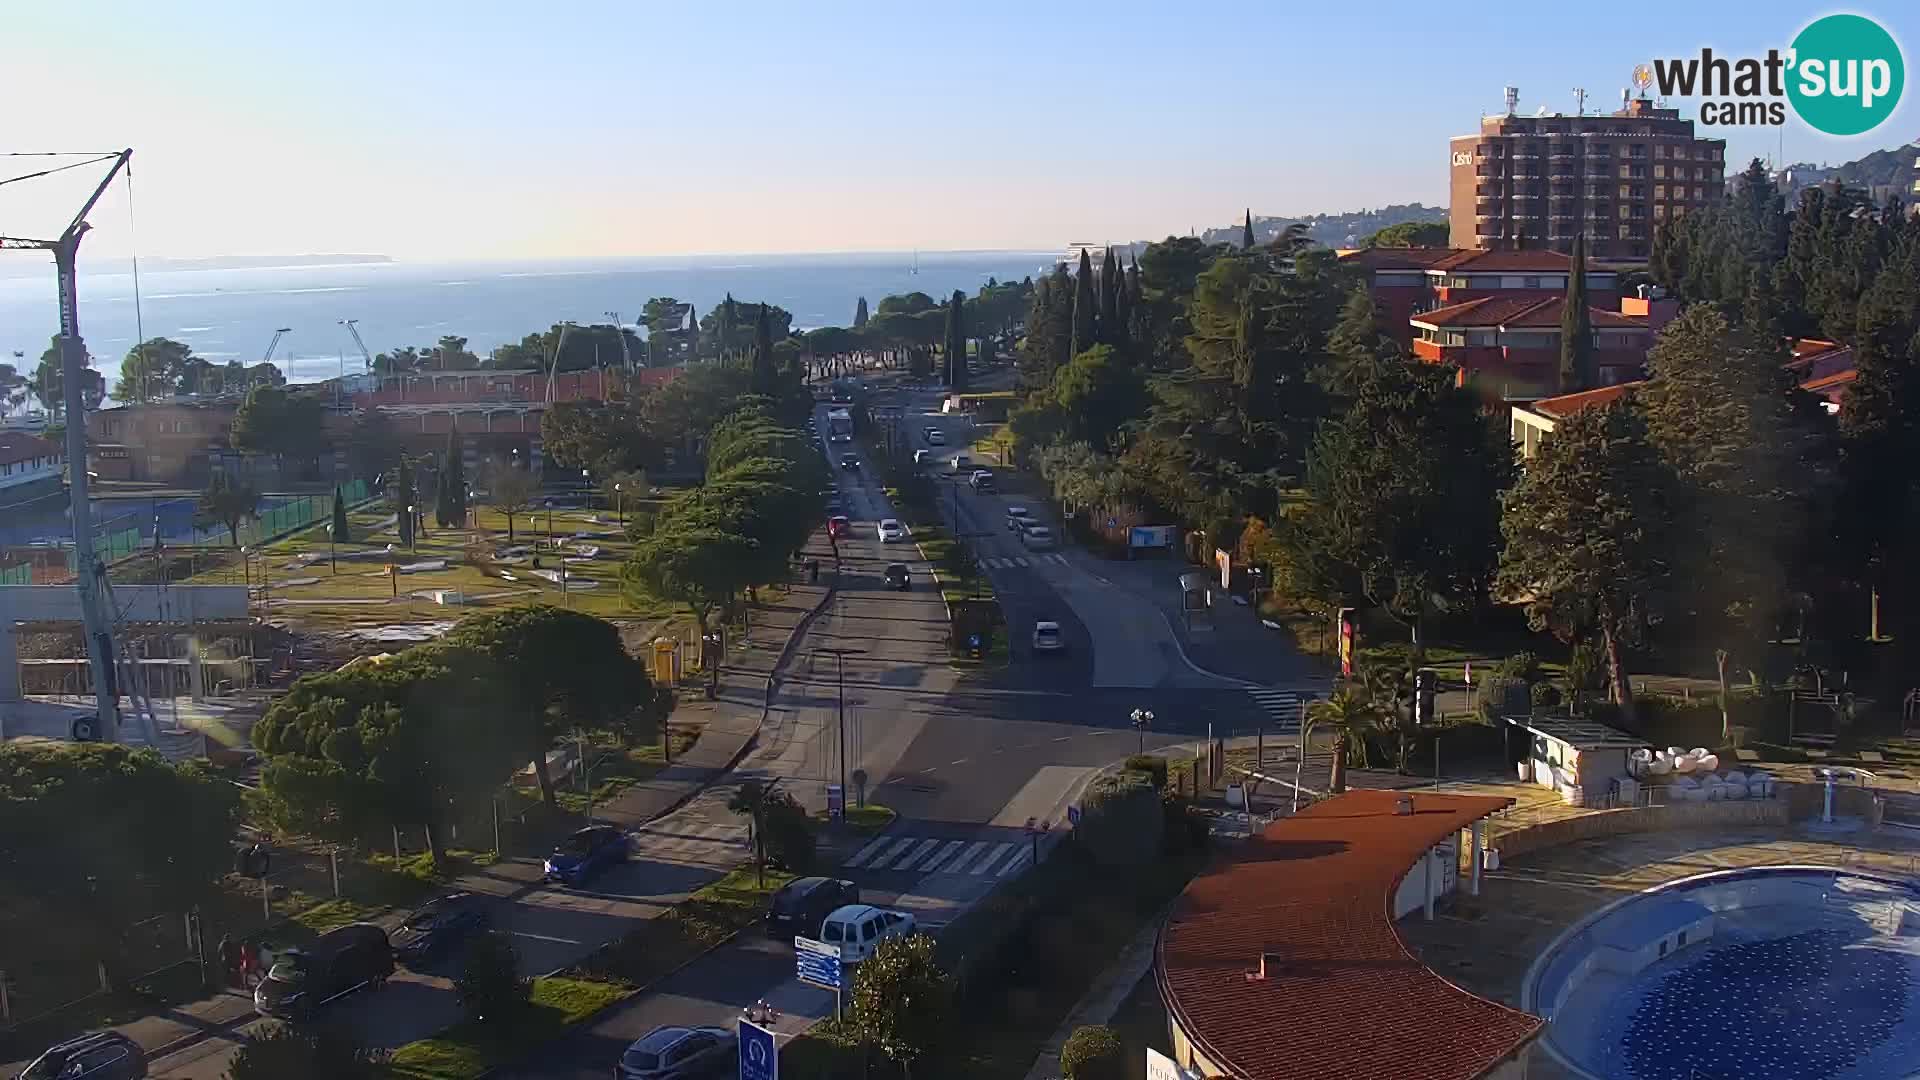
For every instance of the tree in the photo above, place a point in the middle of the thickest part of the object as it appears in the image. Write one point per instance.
(1049, 341)
(342, 532)
(1110, 325)
(228, 502)
(490, 986)
(683, 412)
(1098, 395)
(766, 378)
(1093, 1052)
(512, 487)
(698, 564)
(1085, 308)
(403, 500)
(1357, 346)
(602, 436)
(1350, 715)
(956, 343)
(1246, 232)
(1409, 234)
(1586, 532)
(450, 507)
(450, 353)
(1576, 325)
(372, 447)
(283, 423)
(782, 832)
(902, 1000)
(558, 671)
(1404, 494)
(155, 369)
(98, 836)
(860, 314)
(49, 383)
(286, 1052)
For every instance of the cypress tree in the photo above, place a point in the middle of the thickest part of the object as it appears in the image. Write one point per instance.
(693, 334)
(402, 500)
(1133, 279)
(766, 379)
(1110, 330)
(1576, 325)
(956, 343)
(1246, 231)
(450, 507)
(726, 328)
(1119, 327)
(341, 532)
(1084, 332)
(860, 313)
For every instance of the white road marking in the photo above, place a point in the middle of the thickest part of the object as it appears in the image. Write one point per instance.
(866, 853)
(973, 851)
(1015, 864)
(906, 861)
(993, 856)
(945, 853)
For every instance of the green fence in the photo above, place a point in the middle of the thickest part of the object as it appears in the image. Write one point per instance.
(111, 547)
(17, 575)
(288, 517)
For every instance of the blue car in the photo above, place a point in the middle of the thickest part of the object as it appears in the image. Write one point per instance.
(583, 854)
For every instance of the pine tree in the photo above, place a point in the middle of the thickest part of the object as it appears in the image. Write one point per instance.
(1576, 324)
(766, 378)
(450, 508)
(860, 313)
(1110, 329)
(1246, 232)
(1356, 347)
(342, 534)
(1085, 329)
(956, 343)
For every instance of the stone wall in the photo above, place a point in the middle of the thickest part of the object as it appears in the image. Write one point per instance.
(1707, 815)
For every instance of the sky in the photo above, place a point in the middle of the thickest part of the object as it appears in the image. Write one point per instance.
(440, 130)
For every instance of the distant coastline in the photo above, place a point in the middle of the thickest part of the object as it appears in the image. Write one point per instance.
(258, 262)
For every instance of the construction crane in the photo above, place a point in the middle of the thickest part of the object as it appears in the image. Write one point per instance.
(353, 329)
(90, 577)
(271, 345)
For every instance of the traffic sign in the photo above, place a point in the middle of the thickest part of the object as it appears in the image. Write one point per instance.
(836, 801)
(759, 1057)
(1073, 814)
(816, 962)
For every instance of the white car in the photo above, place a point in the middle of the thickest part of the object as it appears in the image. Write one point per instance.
(936, 437)
(858, 929)
(891, 530)
(1046, 637)
(1018, 518)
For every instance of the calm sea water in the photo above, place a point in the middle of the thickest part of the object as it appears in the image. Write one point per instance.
(232, 314)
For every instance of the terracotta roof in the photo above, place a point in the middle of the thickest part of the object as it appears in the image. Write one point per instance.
(1520, 310)
(1347, 1001)
(1828, 382)
(1390, 258)
(1567, 404)
(1810, 347)
(1484, 262)
(17, 446)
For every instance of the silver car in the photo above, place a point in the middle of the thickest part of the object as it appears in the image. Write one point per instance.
(678, 1053)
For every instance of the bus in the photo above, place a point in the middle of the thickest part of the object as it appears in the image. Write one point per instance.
(839, 424)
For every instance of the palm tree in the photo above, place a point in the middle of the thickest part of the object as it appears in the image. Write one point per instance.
(1350, 715)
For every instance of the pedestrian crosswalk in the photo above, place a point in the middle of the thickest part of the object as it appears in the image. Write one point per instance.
(670, 840)
(939, 855)
(1002, 562)
(1283, 706)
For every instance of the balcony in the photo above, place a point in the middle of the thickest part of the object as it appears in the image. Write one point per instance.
(1526, 153)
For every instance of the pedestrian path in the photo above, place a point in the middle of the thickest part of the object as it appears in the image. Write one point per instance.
(1284, 706)
(674, 839)
(941, 855)
(1001, 562)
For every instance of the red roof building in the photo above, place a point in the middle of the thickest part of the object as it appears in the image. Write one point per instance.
(1409, 281)
(1510, 344)
(1284, 964)
(1535, 420)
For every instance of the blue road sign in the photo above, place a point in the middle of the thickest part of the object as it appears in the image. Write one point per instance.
(1073, 814)
(817, 962)
(759, 1057)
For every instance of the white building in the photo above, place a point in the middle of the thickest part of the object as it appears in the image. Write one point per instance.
(31, 468)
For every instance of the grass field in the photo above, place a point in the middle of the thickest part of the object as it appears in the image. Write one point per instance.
(471, 1048)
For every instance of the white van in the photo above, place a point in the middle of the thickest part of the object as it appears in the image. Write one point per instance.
(858, 929)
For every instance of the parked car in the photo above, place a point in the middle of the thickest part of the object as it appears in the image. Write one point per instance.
(1046, 637)
(1018, 517)
(97, 1055)
(803, 904)
(837, 526)
(860, 928)
(1036, 537)
(898, 577)
(849, 463)
(678, 1053)
(585, 853)
(439, 925)
(891, 530)
(982, 480)
(336, 964)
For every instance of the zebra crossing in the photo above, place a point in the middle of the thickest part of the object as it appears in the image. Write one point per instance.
(1001, 562)
(689, 841)
(1285, 707)
(939, 855)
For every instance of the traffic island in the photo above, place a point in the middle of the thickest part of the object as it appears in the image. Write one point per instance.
(472, 1048)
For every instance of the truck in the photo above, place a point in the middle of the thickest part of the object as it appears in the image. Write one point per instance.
(839, 424)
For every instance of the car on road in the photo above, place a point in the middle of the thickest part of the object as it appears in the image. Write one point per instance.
(891, 530)
(982, 479)
(858, 929)
(1018, 518)
(837, 526)
(585, 853)
(1046, 637)
(436, 927)
(898, 576)
(1036, 537)
(336, 964)
(803, 904)
(935, 437)
(97, 1055)
(678, 1053)
(849, 463)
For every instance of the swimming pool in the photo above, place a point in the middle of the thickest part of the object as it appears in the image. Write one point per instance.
(1790, 972)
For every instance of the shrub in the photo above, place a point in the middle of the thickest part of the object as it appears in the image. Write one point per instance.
(1121, 820)
(1546, 697)
(1186, 827)
(1093, 1053)
(489, 984)
(1502, 695)
(1151, 764)
(790, 842)
(1523, 666)
(284, 1052)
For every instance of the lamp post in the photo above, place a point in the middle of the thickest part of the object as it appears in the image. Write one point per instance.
(620, 506)
(586, 481)
(1142, 720)
(840, 664)
(413, 530)
(332, 558)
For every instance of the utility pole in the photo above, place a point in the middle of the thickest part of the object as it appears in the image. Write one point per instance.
(840, 661)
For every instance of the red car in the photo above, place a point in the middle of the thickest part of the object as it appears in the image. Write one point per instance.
(837, 526)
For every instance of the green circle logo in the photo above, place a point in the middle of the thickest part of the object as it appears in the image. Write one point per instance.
(1847, 74)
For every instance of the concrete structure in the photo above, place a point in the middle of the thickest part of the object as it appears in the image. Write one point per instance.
(159, 604)
(1409, 281)
(1564, 752)
(1526, 182)
(171, 442)
(31, 468)
(1510, 344)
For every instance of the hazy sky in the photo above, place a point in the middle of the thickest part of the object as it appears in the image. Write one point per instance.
(429, 129)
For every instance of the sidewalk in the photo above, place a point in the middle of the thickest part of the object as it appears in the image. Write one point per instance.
(731, 723)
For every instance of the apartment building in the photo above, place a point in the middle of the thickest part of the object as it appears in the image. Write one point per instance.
(1406, 282)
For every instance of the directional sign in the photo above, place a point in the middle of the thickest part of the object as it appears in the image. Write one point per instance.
(816, 962)
(1073, 814)
(836, 801)
(759, 1057)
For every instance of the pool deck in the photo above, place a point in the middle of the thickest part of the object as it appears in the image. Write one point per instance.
(1486, 944)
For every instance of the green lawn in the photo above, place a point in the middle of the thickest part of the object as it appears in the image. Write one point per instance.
(469, 1049)
(618, 769)
(871, 818)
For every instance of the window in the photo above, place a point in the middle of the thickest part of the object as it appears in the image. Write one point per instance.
(1660, 191)
(869, 929)
(1625, 191)
(1625, 172)
(1531, 283)
(1659, 212)
(1680, 153)
(1626, 232)
(1660, 150)
(1659, 172)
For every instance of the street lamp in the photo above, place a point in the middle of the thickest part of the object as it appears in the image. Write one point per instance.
(413, 530)
(586, 481)
(840, 663)
(1142, 720)
(620, 506)
(332, 559)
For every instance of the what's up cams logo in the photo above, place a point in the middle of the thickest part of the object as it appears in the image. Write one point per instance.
(1842, 75)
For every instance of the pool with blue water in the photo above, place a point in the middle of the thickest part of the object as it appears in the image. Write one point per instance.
(1797, 973)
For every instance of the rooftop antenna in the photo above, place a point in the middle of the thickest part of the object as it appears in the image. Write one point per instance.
(1626, 97)
(1579, 101)
(1513, 99)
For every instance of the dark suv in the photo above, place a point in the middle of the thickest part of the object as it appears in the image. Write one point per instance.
(803, 904)
(439, 925)
(338, 962)
(98, 1055)
(898, 577)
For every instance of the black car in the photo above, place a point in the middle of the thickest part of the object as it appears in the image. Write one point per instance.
(439, 926)
(803, 904)
(97, 1055)
(898, 577)
(850, 463)
(336, 964)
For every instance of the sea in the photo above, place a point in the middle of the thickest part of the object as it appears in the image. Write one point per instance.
(233, 313)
